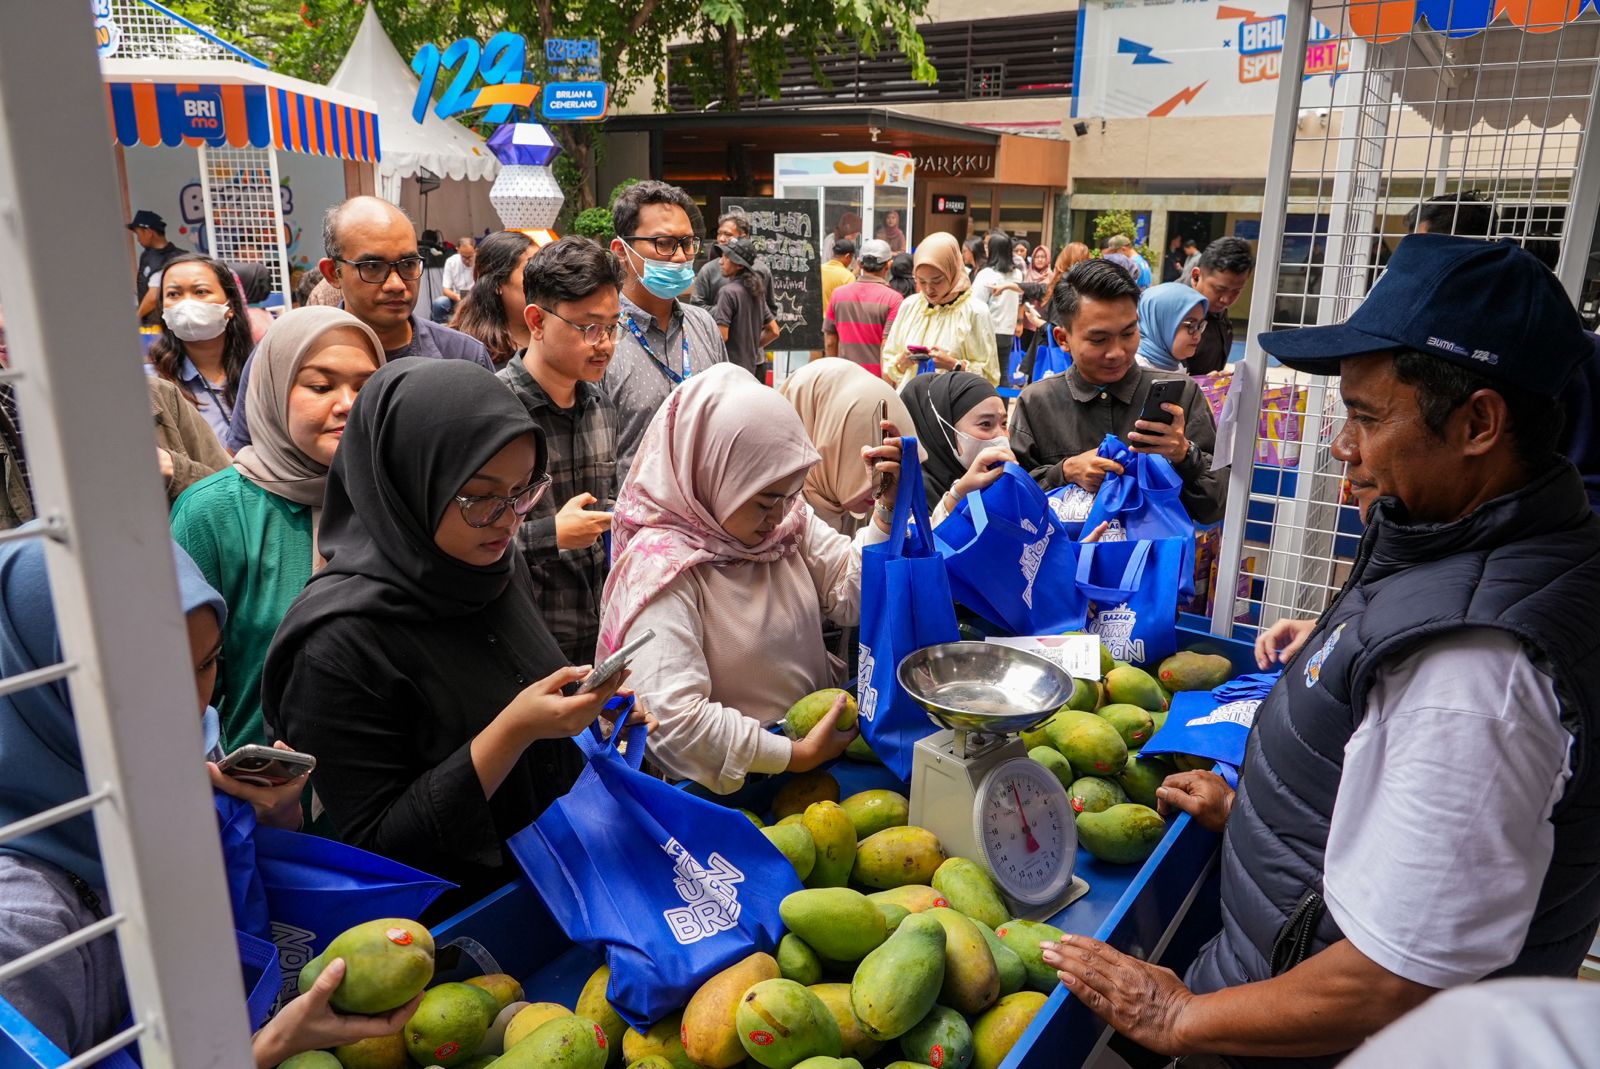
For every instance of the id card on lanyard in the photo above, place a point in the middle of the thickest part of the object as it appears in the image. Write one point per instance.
(688, 369)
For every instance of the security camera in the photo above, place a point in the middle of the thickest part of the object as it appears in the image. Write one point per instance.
(1081, 128)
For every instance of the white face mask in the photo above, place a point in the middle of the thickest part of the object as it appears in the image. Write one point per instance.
(968, 447)
(194, 320)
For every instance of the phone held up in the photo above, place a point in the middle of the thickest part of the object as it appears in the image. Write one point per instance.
(1162, 392)
(613, 664)
(266, 766)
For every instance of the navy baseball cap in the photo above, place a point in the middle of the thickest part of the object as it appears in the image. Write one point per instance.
(1488, 306)
(145, 217)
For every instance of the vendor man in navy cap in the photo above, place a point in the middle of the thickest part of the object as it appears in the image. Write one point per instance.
(1419, 806)
(150, 231)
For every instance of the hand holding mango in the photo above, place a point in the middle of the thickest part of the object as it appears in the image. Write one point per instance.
(820, 740)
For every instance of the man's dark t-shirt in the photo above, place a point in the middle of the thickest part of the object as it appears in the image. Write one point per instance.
(744, 317)
(151, 263)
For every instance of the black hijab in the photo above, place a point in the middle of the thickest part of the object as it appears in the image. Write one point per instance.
(951, 395)
(418, 430)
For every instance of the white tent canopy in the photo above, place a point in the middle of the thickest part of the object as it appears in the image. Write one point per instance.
(374, 69)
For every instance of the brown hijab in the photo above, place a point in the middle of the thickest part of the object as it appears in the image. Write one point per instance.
(943, 253)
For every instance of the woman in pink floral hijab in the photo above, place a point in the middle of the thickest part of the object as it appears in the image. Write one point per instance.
(715, 549)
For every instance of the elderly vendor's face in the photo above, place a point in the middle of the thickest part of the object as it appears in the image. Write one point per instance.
(753, 521)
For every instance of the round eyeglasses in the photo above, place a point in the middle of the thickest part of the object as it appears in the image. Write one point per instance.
(593, 333)
(481, 510)
(1194, 327)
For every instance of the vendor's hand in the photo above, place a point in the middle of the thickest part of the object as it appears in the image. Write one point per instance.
(1162, 439)
(1279, 643)
(943, 359)
(311, 1023)
(276, 807)
(1205, 796)
(1088, 470)
(577, 527)
(824, 742)
(1141, 1001)
(164, 459)
(984, 472)
(543, 712)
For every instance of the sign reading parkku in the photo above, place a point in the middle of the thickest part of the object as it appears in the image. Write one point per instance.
(1198, 57)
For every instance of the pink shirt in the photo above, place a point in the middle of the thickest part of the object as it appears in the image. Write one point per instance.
(860, 314)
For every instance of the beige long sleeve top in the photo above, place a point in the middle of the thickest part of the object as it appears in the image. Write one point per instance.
(961, 327)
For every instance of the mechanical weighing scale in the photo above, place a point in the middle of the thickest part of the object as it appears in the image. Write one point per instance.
(973, 784)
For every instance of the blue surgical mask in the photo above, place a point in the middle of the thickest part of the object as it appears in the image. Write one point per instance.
(211, 728)
(664, 278)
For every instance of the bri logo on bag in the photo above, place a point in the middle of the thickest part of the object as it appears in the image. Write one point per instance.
(1115, 628)
(1242, 713)
(1314, 666)
(867, 705)
(1072, 505)
(1032, 557)
(711, 904)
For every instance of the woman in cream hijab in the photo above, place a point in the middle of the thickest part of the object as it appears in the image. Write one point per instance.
(252, 527)
(715, 549)
(943, 318)
(838, 400)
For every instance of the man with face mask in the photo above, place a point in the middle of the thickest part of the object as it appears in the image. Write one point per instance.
(665, 340)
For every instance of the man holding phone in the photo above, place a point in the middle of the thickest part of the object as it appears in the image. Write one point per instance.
(1059, 423)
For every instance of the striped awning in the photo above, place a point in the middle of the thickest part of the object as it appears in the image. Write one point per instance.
(173, 114)
(1387, 20)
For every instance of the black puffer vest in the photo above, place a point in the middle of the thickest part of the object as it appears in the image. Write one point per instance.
(1528, 563)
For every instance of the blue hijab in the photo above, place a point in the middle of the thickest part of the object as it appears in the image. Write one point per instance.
(1161, 309)
(40, 764)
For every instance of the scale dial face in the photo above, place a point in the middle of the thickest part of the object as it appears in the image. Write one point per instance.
(1023, 821)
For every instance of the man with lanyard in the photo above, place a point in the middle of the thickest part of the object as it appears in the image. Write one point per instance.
(1419, 805)
(664, 340)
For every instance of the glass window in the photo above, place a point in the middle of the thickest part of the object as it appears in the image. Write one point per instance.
(1022, 213)
(841, 215)
(891, 220)
(980, 205)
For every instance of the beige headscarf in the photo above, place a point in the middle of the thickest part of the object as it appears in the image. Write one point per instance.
(837, 400)
(943, 251)
(272, 461)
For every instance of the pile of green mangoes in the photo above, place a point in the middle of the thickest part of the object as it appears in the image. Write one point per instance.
(1092, 746)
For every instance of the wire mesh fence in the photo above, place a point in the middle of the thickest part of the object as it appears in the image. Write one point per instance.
(244, 219)
(137, 29)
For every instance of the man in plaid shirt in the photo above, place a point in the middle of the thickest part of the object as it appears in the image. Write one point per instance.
(572, 313)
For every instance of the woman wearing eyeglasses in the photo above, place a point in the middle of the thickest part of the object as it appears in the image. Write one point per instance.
(415, 665)
(717, 552)
(1172, 316)
(252, 528)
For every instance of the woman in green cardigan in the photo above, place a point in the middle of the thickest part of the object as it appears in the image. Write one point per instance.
(252, 527)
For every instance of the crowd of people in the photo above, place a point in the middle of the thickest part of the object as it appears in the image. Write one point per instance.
(410, 540)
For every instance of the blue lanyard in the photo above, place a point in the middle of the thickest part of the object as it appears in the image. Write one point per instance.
(638, 336)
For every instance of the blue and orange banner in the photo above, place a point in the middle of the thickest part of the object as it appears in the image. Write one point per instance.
(150, 114)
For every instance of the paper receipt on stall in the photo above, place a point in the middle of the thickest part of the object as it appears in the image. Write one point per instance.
(1078, 655)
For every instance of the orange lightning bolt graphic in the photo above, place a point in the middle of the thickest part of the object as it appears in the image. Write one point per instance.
(1183, 96)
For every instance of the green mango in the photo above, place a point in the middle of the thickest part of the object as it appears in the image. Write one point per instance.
(835, 839)
(912, 897)
(593, 1005)
(797, 961)
(969, 890)
(311, 1059)
(1188, 670)
(802, 789)
(1134, 686)
(873, 811)
(1039, 734)
(654, 1061)
(386, 963)
(892, 914)
(1142, 776)
(1186, 762)
(663, 1040)
(895, 857)
(1085, 694)
(971, 979)
(379, 1052)
(897, 984)
(1024, 937)
(997, 1031)
(838, 923)
(942, 1038)
(752, 818)
(781, 1022)
(1006, 963)
(804, 714)
(449, 1025)
(854, 1041)
(1123, 834)
(1159, 720)
(795, 843)
(1134, 724)
(792, 818)
(859, 750)
(562, 1043)
(1091, 794)
(1051, 758)
(1090, 743)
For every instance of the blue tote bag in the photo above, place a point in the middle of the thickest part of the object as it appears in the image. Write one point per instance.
(905, 605)
(672, 887)
(1049, 358)
(1014, 376)
(1143, 502)
(1132, 588)
(1009, 559)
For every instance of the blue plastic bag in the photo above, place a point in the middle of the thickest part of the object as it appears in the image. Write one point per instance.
(1010, 561)
(1133, 592)
(672, 887)
(1071, 505)
(1144, 502)
(1048, 357)
(1213, 723)
(1014, 376)
(905, 605)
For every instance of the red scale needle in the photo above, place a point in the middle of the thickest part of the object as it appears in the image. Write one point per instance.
(1033, 844)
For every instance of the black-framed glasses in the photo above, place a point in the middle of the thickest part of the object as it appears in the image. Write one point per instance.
(667, 244)
(1195, 327)
(480, 510)
(593, 333)
(376, 272)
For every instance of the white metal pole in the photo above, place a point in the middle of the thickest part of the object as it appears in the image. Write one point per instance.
(91, 448)
(208, 201)
(1583, 211)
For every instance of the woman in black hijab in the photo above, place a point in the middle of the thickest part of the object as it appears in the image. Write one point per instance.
(961, 422)
(415, 664)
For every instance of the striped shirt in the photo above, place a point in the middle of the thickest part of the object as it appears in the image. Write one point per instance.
(860, 314)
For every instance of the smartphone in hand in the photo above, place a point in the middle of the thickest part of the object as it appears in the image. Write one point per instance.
(1162, 392)
(613, 664)
(266, 766)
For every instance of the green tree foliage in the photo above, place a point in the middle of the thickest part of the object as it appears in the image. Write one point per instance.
(1114, 221)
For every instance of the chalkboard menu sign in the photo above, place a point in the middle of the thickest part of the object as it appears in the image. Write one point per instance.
(787, 235)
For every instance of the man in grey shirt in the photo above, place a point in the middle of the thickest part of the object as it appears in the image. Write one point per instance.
(664, 341)
(709, 280)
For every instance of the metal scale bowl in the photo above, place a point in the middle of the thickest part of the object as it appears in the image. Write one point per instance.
(973, 784)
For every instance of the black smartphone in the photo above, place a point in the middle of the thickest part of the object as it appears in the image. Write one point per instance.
(1162, 392)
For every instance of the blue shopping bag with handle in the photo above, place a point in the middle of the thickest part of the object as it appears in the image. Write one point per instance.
(673, 888)
(1132, 589)
(1009, 559)
(905, 606)
(1144, 502)
(1214, 723)
(1014, 376)
(1048, 357)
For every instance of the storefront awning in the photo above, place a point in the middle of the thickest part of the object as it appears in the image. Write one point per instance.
(1387, 20)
